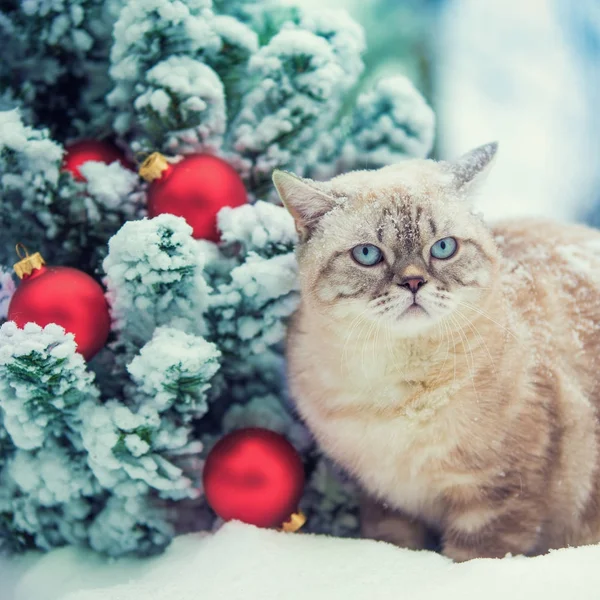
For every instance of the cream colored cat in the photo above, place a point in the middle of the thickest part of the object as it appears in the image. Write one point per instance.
(451, 367)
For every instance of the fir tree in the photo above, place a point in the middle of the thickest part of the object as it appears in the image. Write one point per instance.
(106, 453)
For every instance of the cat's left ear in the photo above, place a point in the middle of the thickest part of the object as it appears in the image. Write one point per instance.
(305, 202)
(471, 169)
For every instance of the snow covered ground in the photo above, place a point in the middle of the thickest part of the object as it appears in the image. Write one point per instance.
(241, 562)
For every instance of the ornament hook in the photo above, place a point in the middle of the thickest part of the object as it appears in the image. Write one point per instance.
(21, 248)
(141, 155)
(27, 262)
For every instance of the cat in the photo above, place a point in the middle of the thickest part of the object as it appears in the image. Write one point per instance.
(451, 367)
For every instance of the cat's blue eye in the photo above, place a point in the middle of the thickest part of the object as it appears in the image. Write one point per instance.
(444, 248)
(367, 255)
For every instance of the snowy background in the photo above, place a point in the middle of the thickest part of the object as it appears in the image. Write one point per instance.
(512, 71)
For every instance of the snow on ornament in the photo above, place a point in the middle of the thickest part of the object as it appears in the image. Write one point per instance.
(256, 476)
(83, 151)
(196, 187)
(61, 295)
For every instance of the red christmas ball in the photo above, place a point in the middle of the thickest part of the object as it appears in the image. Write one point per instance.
(254, 475)
(84, 151)
(195, 188)
(65, 296)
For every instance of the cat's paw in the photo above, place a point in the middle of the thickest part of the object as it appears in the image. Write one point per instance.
(382, 523)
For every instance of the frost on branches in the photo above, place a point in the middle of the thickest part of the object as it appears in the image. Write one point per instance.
(69, 222)
(78, 468)
(110, 453)
(154, 277)
(55, 61)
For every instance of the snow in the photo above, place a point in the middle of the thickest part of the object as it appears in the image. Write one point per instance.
(48, 476)
(392, 121)
(259, 227)
(41, 153)
(147, 259)
(55, 485)
(269, 290)
(236, 33)
(82, 40)
(109, 184)
(26, 430)
(302, 77)
(185, 76)
(7, 289)
(169, 356)
(241, 562)
(167, 84)
(345, 35)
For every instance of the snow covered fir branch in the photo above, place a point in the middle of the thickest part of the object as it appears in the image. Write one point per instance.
(103, 452)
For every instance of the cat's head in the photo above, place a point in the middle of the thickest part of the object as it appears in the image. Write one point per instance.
(400, 245)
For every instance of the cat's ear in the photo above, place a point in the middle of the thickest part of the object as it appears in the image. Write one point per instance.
(471, 169)
(305, 202)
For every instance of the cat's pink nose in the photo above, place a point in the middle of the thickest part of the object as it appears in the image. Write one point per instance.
(414, 284)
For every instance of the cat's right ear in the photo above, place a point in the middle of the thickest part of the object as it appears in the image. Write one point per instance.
(472, 168)
(305, 202)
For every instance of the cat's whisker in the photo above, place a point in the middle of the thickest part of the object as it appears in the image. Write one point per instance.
(373, 324)
(438, 327)
(453, 354)
(447, 337)
(459, 405)
(358, 325)
(440, 304)
(381, 300)
(353, 326)
(476, 331)
(471, 366)
(368, 326)
(388, 345)
(373, 337)
(393, 345)
(466, 338)
(376, 341)
(486, 316)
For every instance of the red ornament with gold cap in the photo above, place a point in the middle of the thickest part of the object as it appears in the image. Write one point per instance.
(62, 295)
(256, 476)
(195, 187)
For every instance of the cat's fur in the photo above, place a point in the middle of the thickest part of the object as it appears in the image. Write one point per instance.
(479, 420)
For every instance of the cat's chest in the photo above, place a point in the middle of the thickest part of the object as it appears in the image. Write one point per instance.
(372, 416)
(395, 454)
(396, 459)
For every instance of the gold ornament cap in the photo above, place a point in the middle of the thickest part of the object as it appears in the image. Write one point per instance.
(153, 167)
(28, 263)
(295, 522)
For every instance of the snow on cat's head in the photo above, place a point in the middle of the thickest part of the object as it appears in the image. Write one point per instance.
(400, 247)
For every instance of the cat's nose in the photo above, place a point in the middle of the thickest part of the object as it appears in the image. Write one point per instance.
(414, 284)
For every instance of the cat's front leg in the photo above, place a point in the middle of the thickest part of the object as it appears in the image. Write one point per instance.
(382, 523)
(485, 532)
